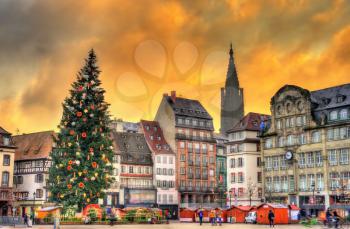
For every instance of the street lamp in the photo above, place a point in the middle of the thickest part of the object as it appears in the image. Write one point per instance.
(33, 213)
(230, 193)
(313, 196)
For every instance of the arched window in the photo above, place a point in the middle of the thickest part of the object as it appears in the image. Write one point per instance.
(343, 114)
(333, 115)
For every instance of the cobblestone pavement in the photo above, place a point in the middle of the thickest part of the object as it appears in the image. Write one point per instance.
(174, 225)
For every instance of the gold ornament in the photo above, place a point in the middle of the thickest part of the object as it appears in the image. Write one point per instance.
(84, 194)
(96, 174)
(79, 173)
(69, 144)
(88, 199)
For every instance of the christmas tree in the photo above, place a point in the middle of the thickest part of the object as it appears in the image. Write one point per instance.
(81, 161)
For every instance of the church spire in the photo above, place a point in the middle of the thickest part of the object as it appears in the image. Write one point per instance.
(231, 77)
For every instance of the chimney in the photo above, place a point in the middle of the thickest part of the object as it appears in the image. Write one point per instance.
(165, 94)
(173, 96)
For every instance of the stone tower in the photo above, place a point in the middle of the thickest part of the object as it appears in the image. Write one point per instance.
(232, 103)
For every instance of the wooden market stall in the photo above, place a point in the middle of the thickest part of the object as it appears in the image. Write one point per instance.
(205, 214)
(238, 213)
(48, 212)
(187, 215)
(281, 213)
(294, 212)
(224, 214)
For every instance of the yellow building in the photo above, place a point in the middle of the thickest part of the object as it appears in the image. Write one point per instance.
(306, 148)
(7, 156)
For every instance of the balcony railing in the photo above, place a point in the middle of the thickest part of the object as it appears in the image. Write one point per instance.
(137, 186)
(194, 138)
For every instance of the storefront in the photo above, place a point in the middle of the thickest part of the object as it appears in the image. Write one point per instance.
(311, 205)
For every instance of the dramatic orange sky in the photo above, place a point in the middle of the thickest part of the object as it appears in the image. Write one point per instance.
(146, 48)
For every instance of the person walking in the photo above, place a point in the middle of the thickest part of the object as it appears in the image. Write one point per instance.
(212, 217)
(271, 217)
(336, 219)
(200, 215)
(220, 216)
(328, 217)
(25, 218)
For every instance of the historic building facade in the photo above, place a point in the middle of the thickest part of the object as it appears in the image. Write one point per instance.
(164, 167)
(232, 100)
(244, 161)
(136, 170)
(188, 128)
(7, 156)
(32, 163)
(306, 149)
(221, 168)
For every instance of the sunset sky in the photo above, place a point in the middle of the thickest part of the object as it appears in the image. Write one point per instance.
(146, 48)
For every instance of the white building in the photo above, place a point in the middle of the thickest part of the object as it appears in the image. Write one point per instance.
(164, 164)
(32, 163)
(244, 175)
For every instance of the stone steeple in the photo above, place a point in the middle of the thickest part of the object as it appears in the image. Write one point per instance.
(232, 102)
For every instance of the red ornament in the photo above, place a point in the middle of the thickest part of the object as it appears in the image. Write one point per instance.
(69, 186)
(92, 107)
(69, 167)
(70, 162)
(91, 149)
(71, 132)
(83, 135)
(84, 119)
(94, 165)
(80, 88)
(81, 185)
(79, 113)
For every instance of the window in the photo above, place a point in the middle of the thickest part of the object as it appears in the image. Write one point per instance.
(159, 171)
(39, 193)
(291, 183)
(158, 159)
(240, 162)
(318, 159)
(171, 198)
(159, 197)
(343, 114)
(182, 145)
(232, 163)
(164, 159)
(259, 177)
(240, 192)
(302, 139)
(123, 169)
(182, 170)
(280, 141)
(275, 163)
(258, 161)
(344, 157)
(5, 179)
(319, 182)
(164, 171)
(170, 172)
(211, 148)
(276, 184)
(302, 183)
(334, 180)
(284, 182)
(268, 184)
(311, 181)
(171, 160)
(315, 137)
(39, 178)
(268, 143)
(182, 157)
(310, 159)
(278, 124)
(240, 177)
(131, 169)
(333, 115)
(18, 179)
(283, 162)
(233, 177)
(290, 140)
(6, 140)
(6, 160)
(268, 164)
(332, 157)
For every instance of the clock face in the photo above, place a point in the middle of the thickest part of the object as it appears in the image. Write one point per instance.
(289, 155)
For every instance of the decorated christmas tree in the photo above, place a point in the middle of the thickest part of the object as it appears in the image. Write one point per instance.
(81, 161)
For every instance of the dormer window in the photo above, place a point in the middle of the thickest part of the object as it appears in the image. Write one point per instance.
(6, 141)
(340, 98)
(326, 101)
(333, 115)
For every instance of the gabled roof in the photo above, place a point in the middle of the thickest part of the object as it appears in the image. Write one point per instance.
(155, 138)
(34, 145)
(327, 98)
(132, 148)
(250, 121)
(187, 107)
(3, 131)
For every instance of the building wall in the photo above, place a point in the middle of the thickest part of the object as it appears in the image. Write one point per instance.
(249, 168)
(167, 194)
(305, 179)
(7, 168)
